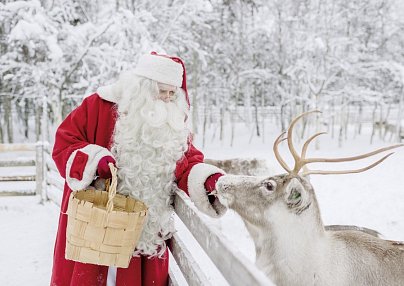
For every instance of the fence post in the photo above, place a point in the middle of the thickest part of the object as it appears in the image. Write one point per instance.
(42, 170)
(39, 168)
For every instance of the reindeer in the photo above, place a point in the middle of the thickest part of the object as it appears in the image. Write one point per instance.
(238, 166)
(292, 246)
(386, 128)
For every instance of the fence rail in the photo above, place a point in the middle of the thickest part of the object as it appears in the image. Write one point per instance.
(232, 264)
(17, 178)
(17, 147)
(192, 272)
(19, 163)
(44, 168)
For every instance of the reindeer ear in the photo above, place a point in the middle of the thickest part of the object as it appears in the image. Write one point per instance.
(294, 192)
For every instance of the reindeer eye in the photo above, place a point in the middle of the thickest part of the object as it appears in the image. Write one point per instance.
(270, 185)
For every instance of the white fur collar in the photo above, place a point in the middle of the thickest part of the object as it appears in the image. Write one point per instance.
(113, 92)
(109, 92)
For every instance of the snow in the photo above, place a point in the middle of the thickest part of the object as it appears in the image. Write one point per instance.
(20, 187)
(373, 199)
(15, 171)
(25, 187)
(55, 52)
(25, 30)
(27, 238)
(212, 273)
(17, 5)
(21, 155)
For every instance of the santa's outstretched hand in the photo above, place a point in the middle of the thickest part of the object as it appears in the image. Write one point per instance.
(103, 170)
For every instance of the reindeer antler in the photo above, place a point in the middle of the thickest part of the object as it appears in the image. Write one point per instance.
(301, 161)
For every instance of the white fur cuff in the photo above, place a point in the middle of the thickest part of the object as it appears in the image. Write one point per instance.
(197, 192)
(95, 153)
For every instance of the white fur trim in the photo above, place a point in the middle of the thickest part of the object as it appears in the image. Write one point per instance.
(197, 192)
(109, 92)
(113, 92)
(160, 69)
(95, 153)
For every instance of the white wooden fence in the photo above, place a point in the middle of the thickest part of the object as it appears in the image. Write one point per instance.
(233, 265)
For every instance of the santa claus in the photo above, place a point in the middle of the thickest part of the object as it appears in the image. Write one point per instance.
(138, 123)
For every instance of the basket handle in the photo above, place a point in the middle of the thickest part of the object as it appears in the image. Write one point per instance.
(112, 188)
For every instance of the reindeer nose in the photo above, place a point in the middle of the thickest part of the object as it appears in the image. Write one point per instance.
(222, 189)
(221, 186)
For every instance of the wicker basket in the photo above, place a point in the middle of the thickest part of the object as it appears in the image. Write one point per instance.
(103, 227)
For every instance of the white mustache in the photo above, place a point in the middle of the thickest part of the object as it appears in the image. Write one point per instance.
(157, 113)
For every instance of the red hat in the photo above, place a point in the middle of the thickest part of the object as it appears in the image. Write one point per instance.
(164, 69)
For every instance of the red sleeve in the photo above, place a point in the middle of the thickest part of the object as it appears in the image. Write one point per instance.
(192, 174)
(70, 136)
(192, 157)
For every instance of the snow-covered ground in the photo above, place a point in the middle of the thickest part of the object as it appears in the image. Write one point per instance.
(27, 238)
(374, 199)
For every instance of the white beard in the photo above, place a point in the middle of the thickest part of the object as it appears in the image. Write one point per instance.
(150, 137)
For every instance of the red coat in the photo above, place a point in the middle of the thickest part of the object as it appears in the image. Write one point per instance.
(82, 139)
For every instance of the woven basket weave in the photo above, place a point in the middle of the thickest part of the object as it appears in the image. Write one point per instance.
(103, 227)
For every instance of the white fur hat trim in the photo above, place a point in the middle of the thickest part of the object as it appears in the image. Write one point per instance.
(160, 69)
